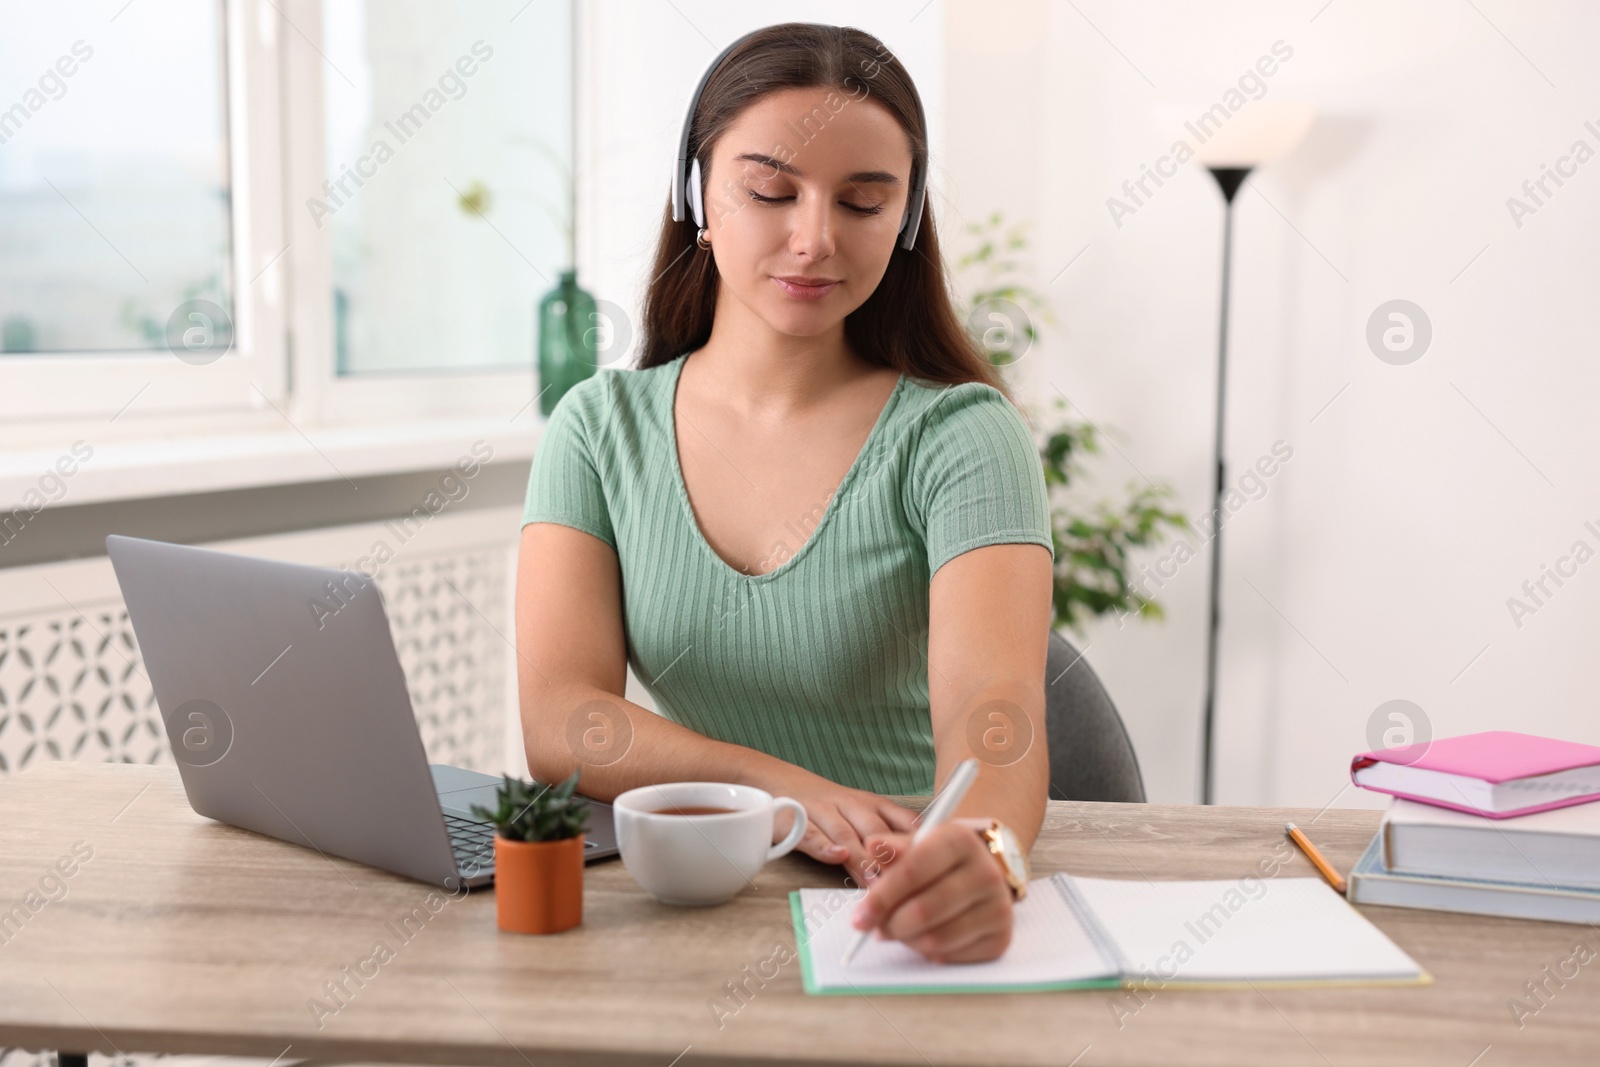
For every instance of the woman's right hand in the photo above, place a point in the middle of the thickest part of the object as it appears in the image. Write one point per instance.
(838, 820)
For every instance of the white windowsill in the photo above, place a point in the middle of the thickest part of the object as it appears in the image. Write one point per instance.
(200, 463)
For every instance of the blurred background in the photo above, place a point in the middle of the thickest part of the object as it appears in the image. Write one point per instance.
(270, 269)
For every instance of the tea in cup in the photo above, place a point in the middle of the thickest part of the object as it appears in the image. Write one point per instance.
(698, 843)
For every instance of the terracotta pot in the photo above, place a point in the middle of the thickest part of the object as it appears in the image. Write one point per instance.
(538, 885)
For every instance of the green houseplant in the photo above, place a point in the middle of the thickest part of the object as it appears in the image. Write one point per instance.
(538, 855)
(1093, 543)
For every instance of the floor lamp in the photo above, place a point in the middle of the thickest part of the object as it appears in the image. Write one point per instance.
(1258, 134)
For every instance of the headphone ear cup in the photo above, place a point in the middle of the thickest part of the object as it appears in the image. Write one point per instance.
(696, 204)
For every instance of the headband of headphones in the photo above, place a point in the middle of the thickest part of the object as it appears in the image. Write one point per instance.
(687, 180)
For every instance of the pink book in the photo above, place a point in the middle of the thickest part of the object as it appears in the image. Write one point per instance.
(1497, 774)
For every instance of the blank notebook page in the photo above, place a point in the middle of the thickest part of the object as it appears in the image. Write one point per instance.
(1284, 929)
(1047, 945)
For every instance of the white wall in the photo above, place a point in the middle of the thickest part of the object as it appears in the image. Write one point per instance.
(1379, 562)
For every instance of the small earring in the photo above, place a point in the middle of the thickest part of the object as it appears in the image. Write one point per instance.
(700, 239)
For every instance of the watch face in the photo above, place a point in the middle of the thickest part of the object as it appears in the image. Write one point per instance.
(1014, 856)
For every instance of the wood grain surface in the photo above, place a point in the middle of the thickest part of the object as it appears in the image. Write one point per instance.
(180, 934)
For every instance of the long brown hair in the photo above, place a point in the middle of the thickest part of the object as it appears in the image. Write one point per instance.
(909, 322)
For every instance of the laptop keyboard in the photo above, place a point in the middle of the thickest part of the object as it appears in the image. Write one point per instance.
(473, 844)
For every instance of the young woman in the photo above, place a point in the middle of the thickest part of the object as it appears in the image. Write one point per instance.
(811, 519)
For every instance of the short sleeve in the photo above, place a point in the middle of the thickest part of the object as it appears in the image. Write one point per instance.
(976, 477)
(564, 485)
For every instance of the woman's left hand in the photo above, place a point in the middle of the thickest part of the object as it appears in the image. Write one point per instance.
(947, 898)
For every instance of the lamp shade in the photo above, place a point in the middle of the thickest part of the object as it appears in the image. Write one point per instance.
(1258, 133)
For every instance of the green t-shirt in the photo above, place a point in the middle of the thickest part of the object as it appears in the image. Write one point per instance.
(821, 662)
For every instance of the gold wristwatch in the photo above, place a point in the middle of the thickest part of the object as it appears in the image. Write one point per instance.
(1003, 846)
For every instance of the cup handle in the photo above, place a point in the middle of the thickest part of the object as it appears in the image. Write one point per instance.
(796, 832)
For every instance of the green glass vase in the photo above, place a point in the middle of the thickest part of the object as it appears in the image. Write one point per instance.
(567, 340)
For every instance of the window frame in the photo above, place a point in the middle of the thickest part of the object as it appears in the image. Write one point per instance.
(327, 396)
(36, 387)
(282, 368)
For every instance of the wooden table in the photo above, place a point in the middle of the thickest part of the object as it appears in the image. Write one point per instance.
(184, 935)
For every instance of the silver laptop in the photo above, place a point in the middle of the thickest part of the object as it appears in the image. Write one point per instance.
(288, 713)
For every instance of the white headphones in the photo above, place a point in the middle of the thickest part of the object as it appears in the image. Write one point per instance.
(687, 180)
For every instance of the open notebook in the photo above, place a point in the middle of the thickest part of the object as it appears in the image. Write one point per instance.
(1086, 933)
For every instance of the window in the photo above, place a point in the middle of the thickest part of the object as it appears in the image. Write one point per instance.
(113, 205)
(133, 225)
(263, 210)
(445, 172)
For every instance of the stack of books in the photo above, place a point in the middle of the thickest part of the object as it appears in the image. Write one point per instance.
(1496, 823)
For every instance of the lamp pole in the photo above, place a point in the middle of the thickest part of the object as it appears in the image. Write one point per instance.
(1228, 180)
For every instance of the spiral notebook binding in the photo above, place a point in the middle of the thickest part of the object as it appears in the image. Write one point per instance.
(1090, 922)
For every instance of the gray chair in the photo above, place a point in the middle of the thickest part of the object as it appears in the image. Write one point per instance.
(1091, 757)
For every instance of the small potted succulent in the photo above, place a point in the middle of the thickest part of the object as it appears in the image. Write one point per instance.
(538, 855)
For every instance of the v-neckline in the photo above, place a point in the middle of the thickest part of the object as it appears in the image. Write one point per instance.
(682, 484)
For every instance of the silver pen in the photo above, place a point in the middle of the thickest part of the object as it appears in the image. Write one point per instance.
(955, 789)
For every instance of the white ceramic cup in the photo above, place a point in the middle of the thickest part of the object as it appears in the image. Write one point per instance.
(700, 859)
